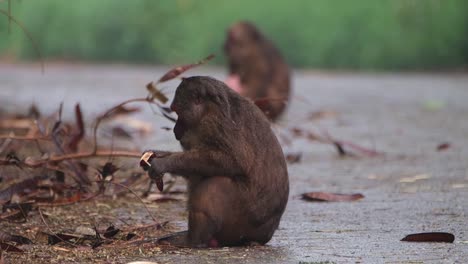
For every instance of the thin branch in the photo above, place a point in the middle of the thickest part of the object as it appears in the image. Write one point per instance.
(28, 35)
(108, 112)
(87, 155)
(135, 194)
(24, 137)
(9, 18)
(102, 153)
(50, 229)
(339, 144)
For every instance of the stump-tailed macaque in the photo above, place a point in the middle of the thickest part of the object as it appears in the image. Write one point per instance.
(257, 69)
(234, 165)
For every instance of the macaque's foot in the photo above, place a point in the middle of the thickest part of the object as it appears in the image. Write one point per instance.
(178, 239)
(213, 243)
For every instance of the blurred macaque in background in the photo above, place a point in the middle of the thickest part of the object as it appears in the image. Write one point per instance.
(256, 69)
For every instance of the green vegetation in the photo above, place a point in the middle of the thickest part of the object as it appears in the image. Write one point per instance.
(365, 34)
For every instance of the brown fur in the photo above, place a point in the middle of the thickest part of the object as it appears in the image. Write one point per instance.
(263, 73)
(234, 165)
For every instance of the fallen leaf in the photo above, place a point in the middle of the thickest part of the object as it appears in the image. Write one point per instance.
(119, 111)
(331, 197)
(85, 231)
(297, 132)
(9, 248)
(61, 249)
(129, 236)
(458, 185)
(111, 231)
(108, 170)
(118, 131)
(430, 237)
(60, 237)
(443, 146)
(414, 178)
(293, 157)
(5, 237)
(322, 114)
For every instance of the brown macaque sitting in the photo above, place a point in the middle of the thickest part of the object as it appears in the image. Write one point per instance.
(257, 69)
(235, 168)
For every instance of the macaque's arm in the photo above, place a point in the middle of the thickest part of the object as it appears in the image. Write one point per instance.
(196, 162)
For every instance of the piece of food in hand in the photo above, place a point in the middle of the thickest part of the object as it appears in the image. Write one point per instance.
(145, 160)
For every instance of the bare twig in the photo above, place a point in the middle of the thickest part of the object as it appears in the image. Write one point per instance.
(9, 18)
(340, 144)
(54, 159)
(27, 33)
(135, 194)
(50, 229)
(108, 112)
(24, 137)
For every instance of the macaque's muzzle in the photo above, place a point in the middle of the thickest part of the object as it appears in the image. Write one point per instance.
(179, 128)
(173, 108)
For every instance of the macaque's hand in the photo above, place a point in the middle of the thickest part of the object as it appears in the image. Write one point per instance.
(152, 161)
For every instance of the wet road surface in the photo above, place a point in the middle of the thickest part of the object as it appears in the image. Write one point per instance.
(412, 188)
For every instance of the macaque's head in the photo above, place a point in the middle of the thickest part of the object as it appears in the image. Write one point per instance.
(196, 99)
(240, 37)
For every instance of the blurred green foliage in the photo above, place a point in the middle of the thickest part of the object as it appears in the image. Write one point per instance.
(359, 34)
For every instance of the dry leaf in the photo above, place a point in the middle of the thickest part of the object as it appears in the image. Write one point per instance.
(111, 231)
(9, 248)
(173, 73)
(78, 136)
(443, 146)
(293, 157)
(5, 237)
(156, 93)
(331, 197)
(414, 178)
(322, 114)
(430, 237)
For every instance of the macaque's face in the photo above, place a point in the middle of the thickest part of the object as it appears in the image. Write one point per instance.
(239, 38)
(189, 109)
(199, 100)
